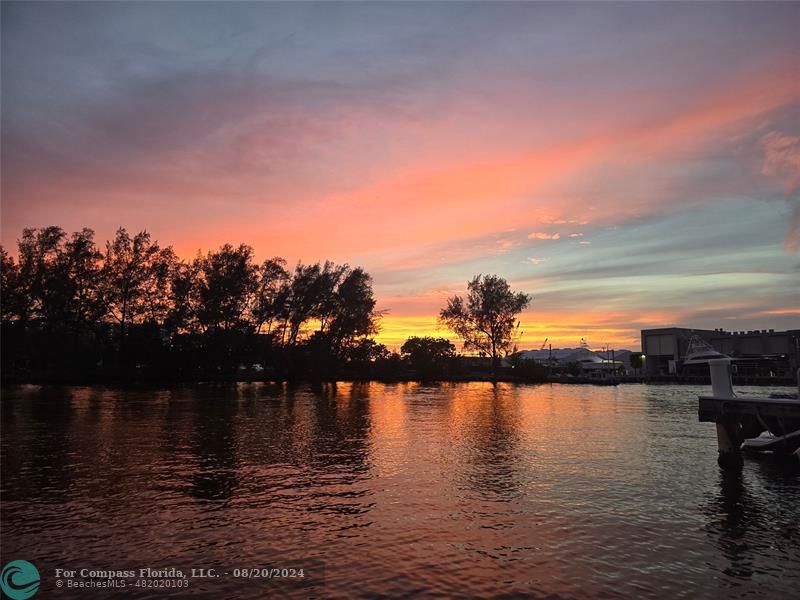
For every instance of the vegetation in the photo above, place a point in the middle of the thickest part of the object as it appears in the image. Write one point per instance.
(430, 357)
(135, 309)
(485, 320)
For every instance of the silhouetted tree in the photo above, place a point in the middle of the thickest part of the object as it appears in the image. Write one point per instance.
(353, 312)
(51, 293)
(182, 316)
(133, 281)
(10, 296)
(337, 300)
(227, 284)
(485, 320)
(428, 356)
(337, 297)
(326, 289)
(54, 281)
(367, 351)
(63, 301)
(80, 278)
(39, 265)
(367, 358)
(158, 292)
(303, 300)
(272, 294)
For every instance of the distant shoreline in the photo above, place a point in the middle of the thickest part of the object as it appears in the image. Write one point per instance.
(688, 381)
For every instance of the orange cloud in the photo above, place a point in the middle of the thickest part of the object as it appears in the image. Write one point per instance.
(782, 312)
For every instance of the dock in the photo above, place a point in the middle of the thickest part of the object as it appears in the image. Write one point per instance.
(739, 418)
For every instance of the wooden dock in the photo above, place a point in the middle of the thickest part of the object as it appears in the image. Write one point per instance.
(713, 409)
(740, 418)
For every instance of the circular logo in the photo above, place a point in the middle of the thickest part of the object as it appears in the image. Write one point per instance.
(19, 580)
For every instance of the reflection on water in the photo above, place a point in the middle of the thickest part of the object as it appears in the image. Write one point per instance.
(452, 490)
(733, 515)
(750, 525)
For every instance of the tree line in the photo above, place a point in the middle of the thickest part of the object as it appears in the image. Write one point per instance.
(64, 298)
(132, 309)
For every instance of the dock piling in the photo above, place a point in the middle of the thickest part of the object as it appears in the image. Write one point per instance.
(728, 444)
(728, 426)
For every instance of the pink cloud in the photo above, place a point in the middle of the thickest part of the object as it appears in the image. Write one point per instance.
(426, 184)
(782, 158)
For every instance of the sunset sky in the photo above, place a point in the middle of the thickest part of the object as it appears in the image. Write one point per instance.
(629, 165)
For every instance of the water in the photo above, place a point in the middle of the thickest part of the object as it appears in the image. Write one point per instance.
(453, 490)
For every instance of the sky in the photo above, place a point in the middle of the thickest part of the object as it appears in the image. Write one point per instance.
(629, 165)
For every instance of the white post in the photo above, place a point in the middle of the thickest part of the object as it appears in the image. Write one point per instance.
(727, 427)
(721, 378)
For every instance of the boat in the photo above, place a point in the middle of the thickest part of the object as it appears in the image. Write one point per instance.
(769, 442)
(699, 352)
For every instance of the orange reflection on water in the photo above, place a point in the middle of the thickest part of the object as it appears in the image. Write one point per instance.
(393, 489)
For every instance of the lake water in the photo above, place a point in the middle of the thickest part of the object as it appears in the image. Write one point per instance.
(404, 490)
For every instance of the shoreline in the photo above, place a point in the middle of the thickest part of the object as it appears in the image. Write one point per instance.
(657, 381)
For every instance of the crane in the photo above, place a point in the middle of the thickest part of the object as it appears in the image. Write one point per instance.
(516, 337)
(544, 343)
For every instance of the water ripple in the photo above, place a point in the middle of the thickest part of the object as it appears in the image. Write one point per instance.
(397, 491)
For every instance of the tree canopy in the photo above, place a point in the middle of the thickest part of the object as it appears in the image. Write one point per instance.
(429, 356)
(136, 287)
(485, 320)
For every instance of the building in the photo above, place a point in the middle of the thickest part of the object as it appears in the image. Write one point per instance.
(764, 353)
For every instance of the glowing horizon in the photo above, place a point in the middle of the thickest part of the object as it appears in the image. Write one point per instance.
(630, 166)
